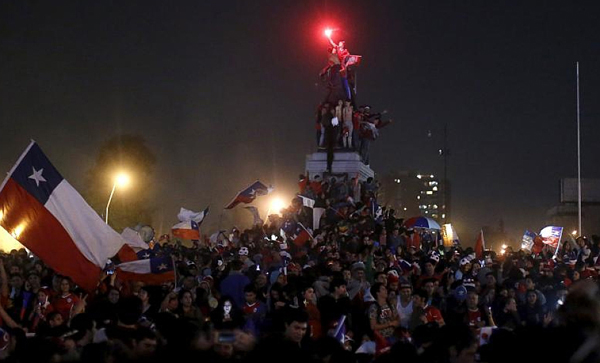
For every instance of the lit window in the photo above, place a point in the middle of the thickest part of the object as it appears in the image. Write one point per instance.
(429, 192)
(419, 176)
(435, 189)
(435, 206)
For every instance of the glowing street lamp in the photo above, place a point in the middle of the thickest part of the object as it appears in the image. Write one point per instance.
(121, 180)
(276, 205)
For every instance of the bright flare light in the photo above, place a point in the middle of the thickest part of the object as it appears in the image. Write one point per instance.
(276, 205)
(328, 33)
(574, 233)
(122, 180)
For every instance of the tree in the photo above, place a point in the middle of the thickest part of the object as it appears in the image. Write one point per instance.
(130, 205)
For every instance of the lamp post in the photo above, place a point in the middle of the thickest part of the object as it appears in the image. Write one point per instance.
(122, 180)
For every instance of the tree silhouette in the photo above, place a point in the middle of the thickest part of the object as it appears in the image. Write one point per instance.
(130, 205)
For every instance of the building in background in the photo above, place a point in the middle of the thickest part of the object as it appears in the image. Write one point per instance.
(412, 193)
(566, 215)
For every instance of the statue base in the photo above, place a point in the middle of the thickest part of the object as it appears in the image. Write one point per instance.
(346, 164)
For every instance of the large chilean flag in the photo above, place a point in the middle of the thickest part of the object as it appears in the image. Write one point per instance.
(47, 215)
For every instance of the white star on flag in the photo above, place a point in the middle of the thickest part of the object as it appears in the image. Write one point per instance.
(37, 176)
(162, 266)
(146, 255)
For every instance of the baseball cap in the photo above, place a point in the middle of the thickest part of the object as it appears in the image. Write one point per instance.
(460, 293)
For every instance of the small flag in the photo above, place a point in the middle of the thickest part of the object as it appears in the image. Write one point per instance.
(307, 202)
(339, 333)
(528, 240)
(189, 230)
(188, 215)
(480, 245)
(249, 194)
(153, 271)
(551, 236)
(302, 235)
(317, 214)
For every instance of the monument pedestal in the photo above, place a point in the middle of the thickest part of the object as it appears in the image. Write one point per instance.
(344, 162)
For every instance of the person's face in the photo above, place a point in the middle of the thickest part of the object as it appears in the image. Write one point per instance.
(34, 280)
(186, 299)
(16, 282)
(143, 295)
(490, 280)
(42, 297)
(347, 275)
(429, 287)
(56, 320)
(65, 286)
(250, 297)
(227, 307)
(382, 278)
(173, 304)
(341, 290)
(472, 300)
(405, 293)
(418, 301)
(511, 304)
(261, 280)
(309, 295)
(296, 331)
(529, 284)
(113, 296)
(429, 268)
(531, 298)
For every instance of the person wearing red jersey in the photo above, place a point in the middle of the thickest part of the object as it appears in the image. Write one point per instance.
(67, 303)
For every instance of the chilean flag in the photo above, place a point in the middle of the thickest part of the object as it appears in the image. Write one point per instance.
(47, 215)
(249, 194)
(153, 271)
(186, 230)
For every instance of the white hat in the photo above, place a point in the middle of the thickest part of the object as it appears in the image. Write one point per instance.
(464, 261)
(243, 251)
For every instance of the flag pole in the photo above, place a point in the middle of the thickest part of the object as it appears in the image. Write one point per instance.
(578, 160)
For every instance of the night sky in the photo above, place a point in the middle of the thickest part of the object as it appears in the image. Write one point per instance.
(224, 92)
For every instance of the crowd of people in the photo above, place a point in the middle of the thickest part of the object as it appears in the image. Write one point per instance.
(358, 290)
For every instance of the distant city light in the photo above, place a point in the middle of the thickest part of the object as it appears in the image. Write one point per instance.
(574, 233)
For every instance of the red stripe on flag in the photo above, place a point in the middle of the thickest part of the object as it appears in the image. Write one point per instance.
(186, 233)
(149, 278)
(127, 254)
(45, 236)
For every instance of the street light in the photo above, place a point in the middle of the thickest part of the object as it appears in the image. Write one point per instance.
(121, 180)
